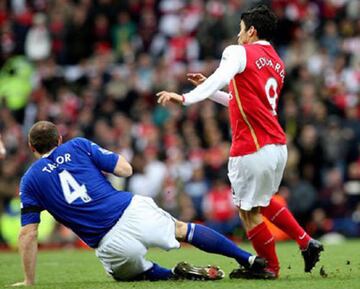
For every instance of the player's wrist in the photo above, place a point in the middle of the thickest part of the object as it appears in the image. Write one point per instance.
(182, 99)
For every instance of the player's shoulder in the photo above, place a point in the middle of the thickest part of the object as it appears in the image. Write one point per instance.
(233, 53)
(262, 45)
(259, 47)
(82, 147)
(78, 142)
(233, 49)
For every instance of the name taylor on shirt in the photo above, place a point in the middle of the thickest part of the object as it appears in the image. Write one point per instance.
(262, 62)
(58, 161)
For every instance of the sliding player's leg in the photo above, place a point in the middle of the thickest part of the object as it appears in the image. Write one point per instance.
(160, 229)
(210, 241)
(123, 254)
(144, 225)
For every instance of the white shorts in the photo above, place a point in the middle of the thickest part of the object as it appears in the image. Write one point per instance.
(143, 225)
(256, 177)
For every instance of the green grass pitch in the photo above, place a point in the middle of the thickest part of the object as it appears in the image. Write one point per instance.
(80, 269)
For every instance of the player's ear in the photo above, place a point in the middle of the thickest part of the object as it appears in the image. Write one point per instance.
(252, 31)
(60, 140)
(31, 147)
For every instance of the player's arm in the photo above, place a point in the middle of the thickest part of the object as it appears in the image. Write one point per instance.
(30, 218)
(233, 61)
(106, 160)
(123, 168)
(220, 97)
(28, 252)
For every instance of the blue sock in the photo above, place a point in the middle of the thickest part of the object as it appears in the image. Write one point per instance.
(155, 273)
(211, 241)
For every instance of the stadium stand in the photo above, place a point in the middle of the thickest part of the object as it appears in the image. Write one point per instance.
(94, 67)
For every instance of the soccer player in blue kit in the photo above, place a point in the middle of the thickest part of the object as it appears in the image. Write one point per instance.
(67, 180)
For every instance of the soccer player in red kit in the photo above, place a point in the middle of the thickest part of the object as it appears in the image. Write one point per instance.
(255, 75)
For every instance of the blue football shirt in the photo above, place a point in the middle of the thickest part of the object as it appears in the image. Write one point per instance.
(69, 183)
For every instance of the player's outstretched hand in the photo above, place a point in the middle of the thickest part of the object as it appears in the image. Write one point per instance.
(196, 78)
(2, 149)
(165, 97)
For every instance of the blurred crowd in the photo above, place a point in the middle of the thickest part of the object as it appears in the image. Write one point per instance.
(94, 67)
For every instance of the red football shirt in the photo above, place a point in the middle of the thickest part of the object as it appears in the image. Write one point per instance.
(254, 95)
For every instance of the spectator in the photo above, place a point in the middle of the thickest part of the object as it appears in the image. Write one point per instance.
(15, 86)
(197, 189)
(38, 43)
(220, 212)
(78, 33)
(123, 33)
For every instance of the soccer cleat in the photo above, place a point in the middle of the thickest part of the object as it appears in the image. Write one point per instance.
(258, 263)
(251, 273)
(312, 254)
(184, 270)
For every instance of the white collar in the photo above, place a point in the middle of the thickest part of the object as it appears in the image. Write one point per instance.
(262, 42)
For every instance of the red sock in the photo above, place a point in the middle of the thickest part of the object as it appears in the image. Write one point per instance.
(280, 216)
(264, 245)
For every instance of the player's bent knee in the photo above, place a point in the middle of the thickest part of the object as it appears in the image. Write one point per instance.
(251, 218)
(130, 269)
(180, 230)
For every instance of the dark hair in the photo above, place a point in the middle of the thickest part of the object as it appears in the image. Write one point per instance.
(263, 20)
(44, 136)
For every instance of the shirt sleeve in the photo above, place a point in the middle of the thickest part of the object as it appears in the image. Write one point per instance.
(30, 207)
(221, 97)
(233, 61)
(104, 159)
